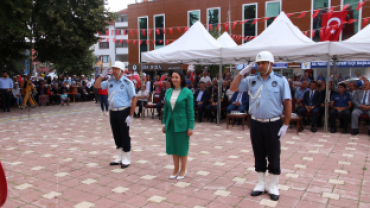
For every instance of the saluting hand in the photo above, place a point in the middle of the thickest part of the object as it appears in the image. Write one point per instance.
(190, 132)
(246, 69)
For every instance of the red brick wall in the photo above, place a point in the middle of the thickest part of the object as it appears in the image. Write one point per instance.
(176, 15)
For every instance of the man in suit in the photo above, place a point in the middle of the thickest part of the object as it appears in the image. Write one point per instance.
(239, 101)
(311, 103)
(201, 98)
(361, 103)
(352, 89)
(340, 105)
(166, 85)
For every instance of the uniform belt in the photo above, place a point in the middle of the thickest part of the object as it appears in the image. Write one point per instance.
(118, 109)
(266, 120)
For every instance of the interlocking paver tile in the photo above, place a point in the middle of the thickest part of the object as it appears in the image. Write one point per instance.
(64, 157)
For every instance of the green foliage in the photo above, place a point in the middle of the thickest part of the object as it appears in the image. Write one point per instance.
(62, 31)
(14, 18)
(83, 66)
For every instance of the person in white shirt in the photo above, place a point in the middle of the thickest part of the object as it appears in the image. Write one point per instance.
(142, 97)
(205, 78)
(17, 94)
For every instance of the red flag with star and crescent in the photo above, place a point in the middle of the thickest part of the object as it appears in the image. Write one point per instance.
(333, 23)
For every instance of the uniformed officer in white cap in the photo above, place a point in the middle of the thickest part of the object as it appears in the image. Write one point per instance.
(122, 101)
(268, 93)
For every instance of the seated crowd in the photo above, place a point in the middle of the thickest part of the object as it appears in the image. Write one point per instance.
(347, 103)
(40, 91)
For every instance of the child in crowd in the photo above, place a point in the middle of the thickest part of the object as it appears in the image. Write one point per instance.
(64, 98)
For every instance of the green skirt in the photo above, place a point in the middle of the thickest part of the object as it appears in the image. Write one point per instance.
(177, 143)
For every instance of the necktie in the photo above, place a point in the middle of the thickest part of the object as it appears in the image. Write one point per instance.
(364, 100)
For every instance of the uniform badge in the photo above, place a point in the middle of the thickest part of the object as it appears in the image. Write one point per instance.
(253, 83)
(111, 85)
(122, 86)
(274, 83)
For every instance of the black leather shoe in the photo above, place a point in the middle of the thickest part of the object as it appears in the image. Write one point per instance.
(274, 197)
(114, 163)
(354, 132)
(257, 193)
(344, 131)
(8, 110)
(333, 130)
(124, 166)
(314, 129)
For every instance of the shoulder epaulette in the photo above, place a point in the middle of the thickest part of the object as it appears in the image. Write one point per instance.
(279, 75)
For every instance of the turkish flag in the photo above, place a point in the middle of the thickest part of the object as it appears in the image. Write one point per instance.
(192, 77)
(333, 22)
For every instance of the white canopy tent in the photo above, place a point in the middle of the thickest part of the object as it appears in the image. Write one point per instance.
(196, 46)
(356, 48)
(226, 41)
(284, 40)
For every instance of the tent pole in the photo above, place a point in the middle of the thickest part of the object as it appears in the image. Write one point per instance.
(327, 98)
(219, 93)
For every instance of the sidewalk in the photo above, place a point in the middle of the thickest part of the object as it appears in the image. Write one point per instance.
(59, 157)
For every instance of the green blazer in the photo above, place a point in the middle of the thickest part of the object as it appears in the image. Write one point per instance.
(182, 113)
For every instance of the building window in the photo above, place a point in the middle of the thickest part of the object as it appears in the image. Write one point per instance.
(213, 18)
(350, 29)
(119, 31)
(272, 10)
(143, 25)
(316, 22)
(249, 13)
(193, 17)
(122, 58)
(105, 59)
(104, 45)
(121, 45)
(159, 23)
(122, 18)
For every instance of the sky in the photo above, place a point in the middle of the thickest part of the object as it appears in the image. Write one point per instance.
(117, 5)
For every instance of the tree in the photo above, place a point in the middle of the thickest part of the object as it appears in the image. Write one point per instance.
(15, 16)
(77, 67)
(64, 30)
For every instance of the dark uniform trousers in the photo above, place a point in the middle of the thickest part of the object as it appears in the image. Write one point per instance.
(209, 109)
(120, 129)
(200, 109)
(344, 116)
(266, 143)
(301, 111)
(6, 98)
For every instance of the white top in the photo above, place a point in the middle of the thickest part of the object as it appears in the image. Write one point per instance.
(148, 85)
(175, 95)
(205, 79)
(146, 92)
(16, 91)
(229, 93)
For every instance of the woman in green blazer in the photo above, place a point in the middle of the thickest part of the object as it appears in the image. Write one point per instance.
(178, 117)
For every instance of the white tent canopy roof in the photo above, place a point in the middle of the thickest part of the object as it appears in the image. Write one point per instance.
(355, 48)
(226, 41)
(194, 46)
(284, 40)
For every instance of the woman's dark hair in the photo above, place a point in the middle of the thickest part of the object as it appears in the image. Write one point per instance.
(182, 77)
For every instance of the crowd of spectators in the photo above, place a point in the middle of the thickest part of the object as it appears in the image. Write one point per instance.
(45, 90)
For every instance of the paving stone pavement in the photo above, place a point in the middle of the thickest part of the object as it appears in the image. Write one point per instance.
(58, 156)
